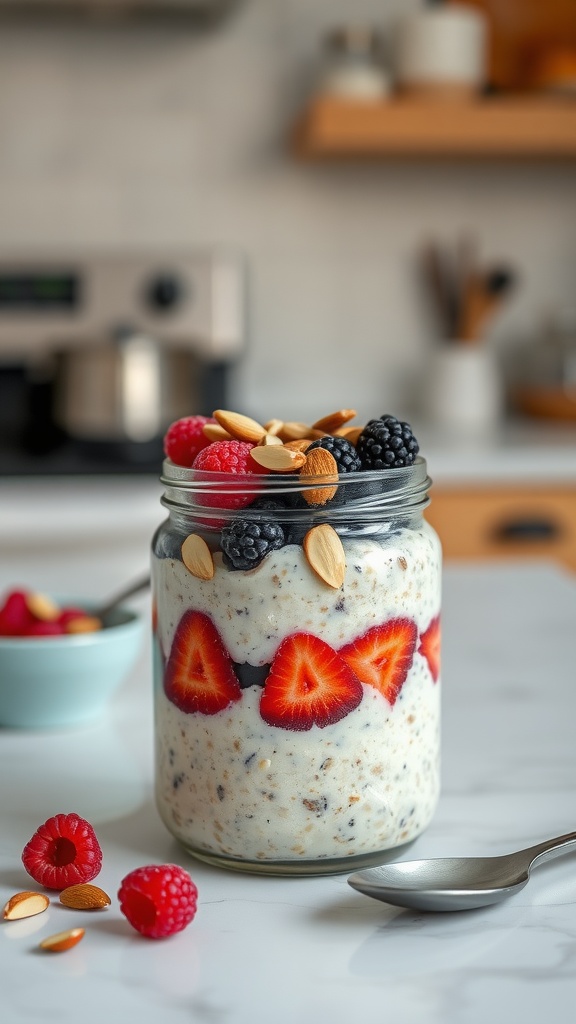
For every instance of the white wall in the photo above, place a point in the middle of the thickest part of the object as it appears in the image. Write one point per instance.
(131, 135)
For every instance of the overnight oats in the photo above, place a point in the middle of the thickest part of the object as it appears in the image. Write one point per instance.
(296, 596)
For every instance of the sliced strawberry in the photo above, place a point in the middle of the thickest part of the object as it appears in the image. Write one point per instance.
(199, 674)
(309, 684)
(430, 647)
(382, 657)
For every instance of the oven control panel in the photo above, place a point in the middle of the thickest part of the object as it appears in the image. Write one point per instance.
(194, 300)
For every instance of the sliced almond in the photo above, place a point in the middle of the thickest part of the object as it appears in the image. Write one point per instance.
(42, 607)
(83, 624)
(197, 557)
(269, 439)
(325, 554)
(334, 420)
(243, 428)
(278, 458)
(25, 904)
(214, 432)
(273, 426)
(84, 897)
(293, 431)
(300, 445)
(350, 433)
(320, 463)
(61, 941)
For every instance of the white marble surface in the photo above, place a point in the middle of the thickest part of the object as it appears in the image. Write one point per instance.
(289, 950)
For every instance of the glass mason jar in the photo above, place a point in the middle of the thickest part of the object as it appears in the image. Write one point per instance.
(297, 703)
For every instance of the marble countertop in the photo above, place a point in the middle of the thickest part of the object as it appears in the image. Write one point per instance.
(279, 951)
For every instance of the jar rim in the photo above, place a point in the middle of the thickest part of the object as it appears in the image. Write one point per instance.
(373, 493)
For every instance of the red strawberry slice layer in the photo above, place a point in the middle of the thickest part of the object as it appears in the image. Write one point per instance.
(430, 647)
(199, 674)
(382, 657)
(308, 684)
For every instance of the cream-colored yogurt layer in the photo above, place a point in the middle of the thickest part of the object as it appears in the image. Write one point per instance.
(231, 785)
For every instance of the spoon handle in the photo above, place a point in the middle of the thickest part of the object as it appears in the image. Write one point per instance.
(551, 848)
(142, 583)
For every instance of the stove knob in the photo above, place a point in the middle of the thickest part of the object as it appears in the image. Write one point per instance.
(164, 293)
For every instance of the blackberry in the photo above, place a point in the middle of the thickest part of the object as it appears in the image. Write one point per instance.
(345, 454)
(245, 541)
(386, 444)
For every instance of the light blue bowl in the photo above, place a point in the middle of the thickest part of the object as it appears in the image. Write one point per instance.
(46, 682)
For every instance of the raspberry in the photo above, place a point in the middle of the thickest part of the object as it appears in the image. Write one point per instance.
(184, 439)
(15, 617)
(63, 851)
(158, 900)
(228, 457)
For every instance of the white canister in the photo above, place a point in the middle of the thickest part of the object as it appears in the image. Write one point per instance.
(441, 47)
(463, 388)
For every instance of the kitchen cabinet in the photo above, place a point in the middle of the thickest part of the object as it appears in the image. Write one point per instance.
(506, 495)
(514, 126)
(510, 522)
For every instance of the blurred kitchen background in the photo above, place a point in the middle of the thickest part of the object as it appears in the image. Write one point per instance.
(186, 224)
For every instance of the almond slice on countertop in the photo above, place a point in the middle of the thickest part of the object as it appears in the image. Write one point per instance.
(350, 433)
(214, 432)
(278, 458)
(197, 557)
(61, 941)
(42, 607)
(25, 904)
(319, 463)
(243, 428)
(84, 896)
(325, 553)
(269, 439)
(334, 420)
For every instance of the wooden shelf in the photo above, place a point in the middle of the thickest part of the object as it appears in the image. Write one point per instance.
(496, 127)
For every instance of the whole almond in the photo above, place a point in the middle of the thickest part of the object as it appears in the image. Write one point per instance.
(214, 432)
(319, 463)
(268, 439)
(84, 896)
(325, 553)
(278, 458)
(243, 428)
(273, 426)
(197, 557)
(42, 607)
(334, 420)
(293, 431)
(25, 904)
(84, 624)
(350, 433)
(300, 445)
(61, 941)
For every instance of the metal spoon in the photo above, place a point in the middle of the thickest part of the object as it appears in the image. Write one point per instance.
(456, 883)
(103, 610)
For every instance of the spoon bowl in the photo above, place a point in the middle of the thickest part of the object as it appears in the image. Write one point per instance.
(456, 883)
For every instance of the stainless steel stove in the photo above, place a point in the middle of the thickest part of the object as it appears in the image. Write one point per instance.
(99, 353)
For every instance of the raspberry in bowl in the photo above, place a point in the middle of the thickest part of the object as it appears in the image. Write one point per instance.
(296, 648)
(59, 664)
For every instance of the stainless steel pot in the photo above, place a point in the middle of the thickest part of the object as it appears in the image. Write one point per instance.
(123, 389)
